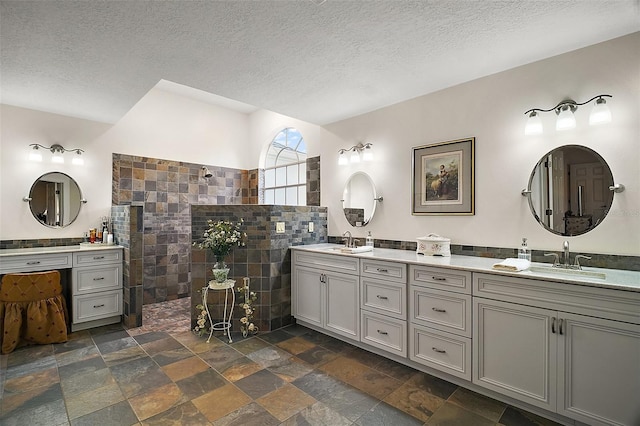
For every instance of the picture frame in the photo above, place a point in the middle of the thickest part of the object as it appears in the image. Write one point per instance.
(443, 178)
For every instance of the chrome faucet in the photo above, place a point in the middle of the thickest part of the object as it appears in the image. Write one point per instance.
(348, 239)
(566, 264)
(567, 254)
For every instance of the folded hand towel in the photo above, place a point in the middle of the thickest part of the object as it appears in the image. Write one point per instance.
(512, 265)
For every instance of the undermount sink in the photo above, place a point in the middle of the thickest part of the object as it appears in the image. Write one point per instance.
(569, 272)
(350, 250)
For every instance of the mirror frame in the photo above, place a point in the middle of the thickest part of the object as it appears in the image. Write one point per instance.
(609, 188)
(374, 201)
(74, 211)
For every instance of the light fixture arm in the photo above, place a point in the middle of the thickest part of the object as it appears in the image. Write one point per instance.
(568, 103)
(57, 148)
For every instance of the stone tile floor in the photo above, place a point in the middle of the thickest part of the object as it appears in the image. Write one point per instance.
(163, 374)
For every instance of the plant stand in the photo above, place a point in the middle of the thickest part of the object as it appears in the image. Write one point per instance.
(225, 324)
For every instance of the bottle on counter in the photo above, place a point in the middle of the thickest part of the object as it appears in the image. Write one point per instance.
(369, 240)
(523, 251)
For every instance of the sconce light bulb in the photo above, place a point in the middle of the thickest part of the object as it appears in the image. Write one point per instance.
(342, 159)
(57, 157)
(355, 157)
(35, 154)
(367, 153)
(566, 120)
(77, 159)
(600, 114)
(534, 125)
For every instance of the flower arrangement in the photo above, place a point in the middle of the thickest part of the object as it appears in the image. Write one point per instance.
(248, 299)
(200, 328)
(221, 237)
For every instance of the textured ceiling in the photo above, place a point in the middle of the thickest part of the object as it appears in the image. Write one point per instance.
(316, 62)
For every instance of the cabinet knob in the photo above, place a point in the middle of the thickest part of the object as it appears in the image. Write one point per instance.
(382, 297)
(440, 351)
(439, 310)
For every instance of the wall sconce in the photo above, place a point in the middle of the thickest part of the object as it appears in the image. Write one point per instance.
(56, 151)
(359, 152)
(566, 120)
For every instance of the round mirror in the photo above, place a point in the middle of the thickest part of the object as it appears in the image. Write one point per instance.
(359, 199)
(570, 190)
(55, 199)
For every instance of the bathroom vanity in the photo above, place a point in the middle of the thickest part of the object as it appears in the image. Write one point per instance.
(95, 291)
(565, 345)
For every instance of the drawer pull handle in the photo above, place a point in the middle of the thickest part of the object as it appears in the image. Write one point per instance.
(382, 297)
(382, 270)
(98, 257)
(439, 310)
(440, 351)
(560, 327)
(35, 262)
(98, 306)
(438, 278)
(98, 279)
(553, 325)
(383, 332)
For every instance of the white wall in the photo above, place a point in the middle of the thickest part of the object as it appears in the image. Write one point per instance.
(492, 109)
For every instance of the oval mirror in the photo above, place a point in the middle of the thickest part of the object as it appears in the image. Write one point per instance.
(55, 200)
(570, 190)
(359, 199)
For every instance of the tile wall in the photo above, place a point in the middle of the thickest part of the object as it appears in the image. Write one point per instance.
(127, 222)
(265, 259)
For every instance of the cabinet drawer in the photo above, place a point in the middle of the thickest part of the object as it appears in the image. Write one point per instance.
(607, 303)
(442, 310)
(391, 271)
(100, 278)
(441, 278)
(331, 262)
(96, 257)
(89, 307)
(33, 263)
(384, 333)
(442, 351)
(383, 297)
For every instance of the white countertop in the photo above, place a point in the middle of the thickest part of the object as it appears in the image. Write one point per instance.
(55, 249)
(615, 278)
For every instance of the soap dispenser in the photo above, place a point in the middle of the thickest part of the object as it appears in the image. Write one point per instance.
(523, 251)
(369, 240)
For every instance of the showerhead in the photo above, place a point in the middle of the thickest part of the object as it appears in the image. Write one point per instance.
(206, 173)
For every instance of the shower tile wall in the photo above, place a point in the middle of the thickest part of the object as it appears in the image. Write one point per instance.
(127, 230)
(265, 259)
(166, 189)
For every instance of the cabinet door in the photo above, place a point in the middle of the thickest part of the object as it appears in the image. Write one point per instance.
(599, 370)
(343, 304)
(514, 351)
(307, 291)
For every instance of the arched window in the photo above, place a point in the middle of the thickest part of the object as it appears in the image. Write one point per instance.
(285, 171)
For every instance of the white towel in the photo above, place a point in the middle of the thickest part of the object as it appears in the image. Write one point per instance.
(512, 265)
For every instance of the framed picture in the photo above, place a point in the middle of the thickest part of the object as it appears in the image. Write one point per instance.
(443, 178)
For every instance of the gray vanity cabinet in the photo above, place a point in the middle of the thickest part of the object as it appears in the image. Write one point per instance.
(568, 349)
(325, 292)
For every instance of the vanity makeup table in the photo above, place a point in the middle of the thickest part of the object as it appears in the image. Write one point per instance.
(94, 293)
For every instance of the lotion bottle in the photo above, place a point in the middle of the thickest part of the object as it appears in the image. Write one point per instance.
(369, 240)
(523, 251)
